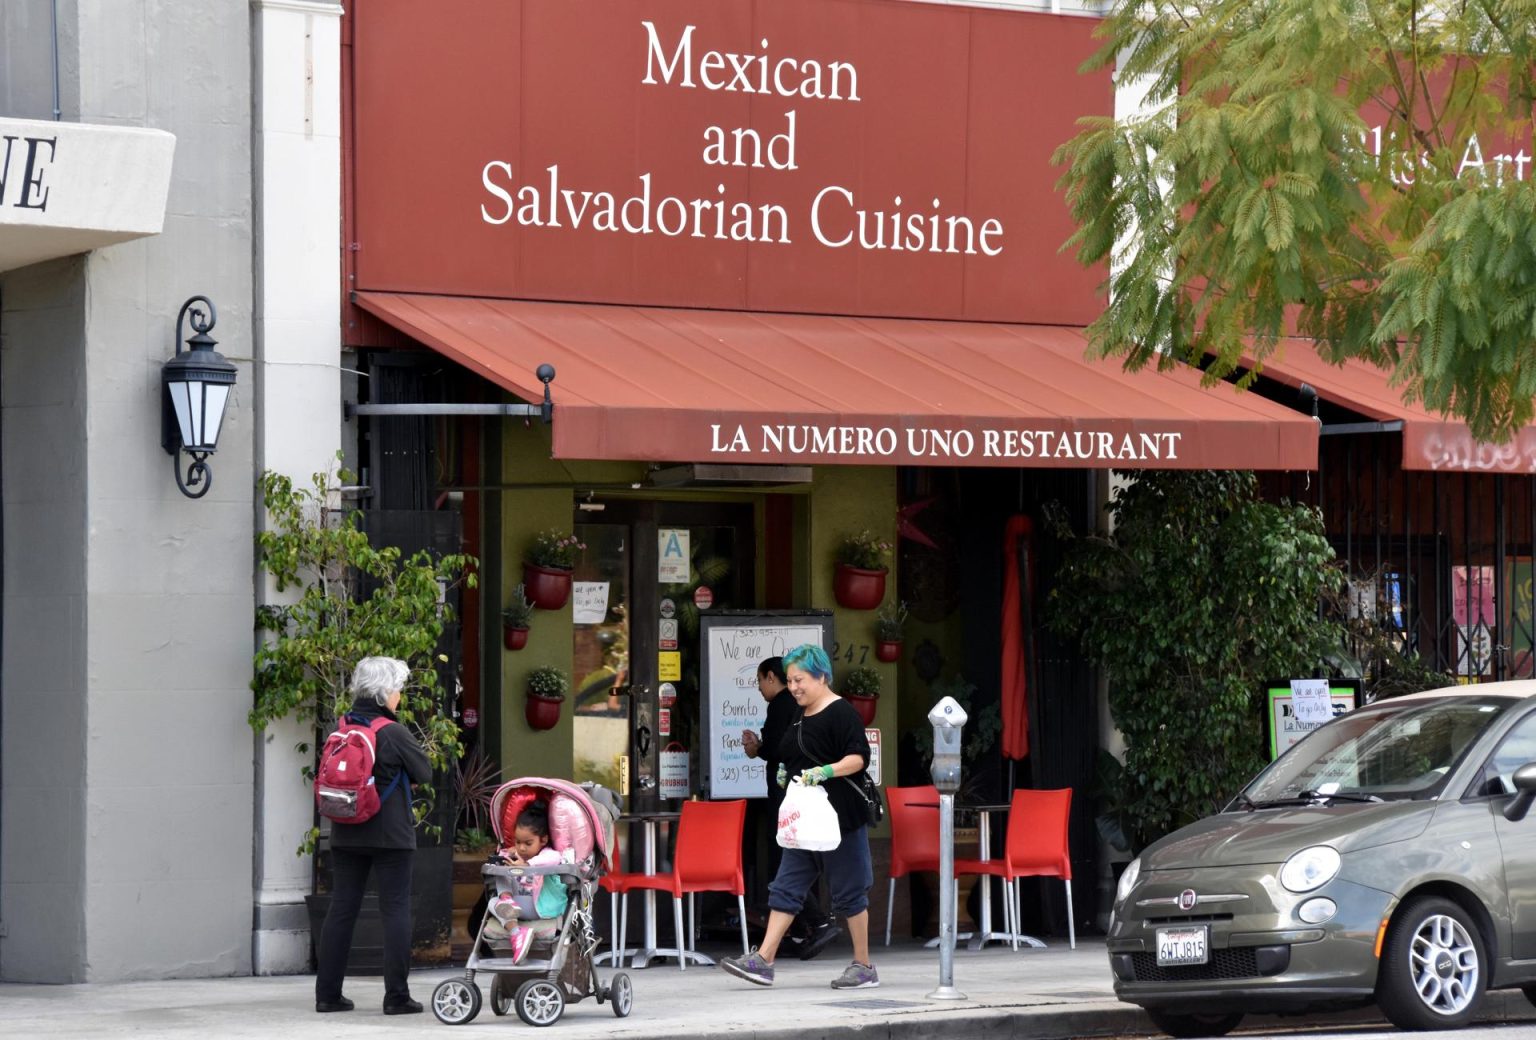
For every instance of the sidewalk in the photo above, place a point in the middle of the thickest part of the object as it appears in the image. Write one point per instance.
(1035, 994)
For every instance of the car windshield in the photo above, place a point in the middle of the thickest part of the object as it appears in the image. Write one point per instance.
(1391, 750)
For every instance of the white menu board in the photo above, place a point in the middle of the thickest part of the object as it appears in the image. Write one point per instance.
(732, 645)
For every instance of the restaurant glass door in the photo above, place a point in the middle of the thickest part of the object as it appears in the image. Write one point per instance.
(650, 569)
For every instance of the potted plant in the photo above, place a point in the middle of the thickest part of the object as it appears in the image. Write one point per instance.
(547, 568)
(546, 687)
(859, 581)
(861, 688)
(888, 626)
(514, 620)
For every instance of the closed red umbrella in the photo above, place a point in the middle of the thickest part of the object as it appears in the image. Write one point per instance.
(1016, 621)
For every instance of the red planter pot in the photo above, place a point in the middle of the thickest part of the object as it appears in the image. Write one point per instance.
(547, 588)
(515, 638)
(865, 706)
(858, 589)
(888, 650)
(542, 712)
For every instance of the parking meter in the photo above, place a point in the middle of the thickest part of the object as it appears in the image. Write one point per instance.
(948, 720)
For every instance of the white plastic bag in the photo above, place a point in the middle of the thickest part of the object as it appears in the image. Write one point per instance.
(807, 819)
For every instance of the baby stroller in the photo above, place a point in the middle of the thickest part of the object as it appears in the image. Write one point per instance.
(558, 966)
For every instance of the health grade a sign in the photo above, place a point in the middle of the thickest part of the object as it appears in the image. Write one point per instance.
(857, 157)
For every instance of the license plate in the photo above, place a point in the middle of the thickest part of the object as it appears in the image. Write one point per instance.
(1182, 946)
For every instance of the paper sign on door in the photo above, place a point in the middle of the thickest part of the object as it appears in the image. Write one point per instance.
(672, 556)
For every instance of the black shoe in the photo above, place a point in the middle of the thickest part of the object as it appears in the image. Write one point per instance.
(406, 1007)
(819, 940)
(340, 1004)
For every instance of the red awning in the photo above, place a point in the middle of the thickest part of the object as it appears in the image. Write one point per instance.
(738, 387)
(1430, 441)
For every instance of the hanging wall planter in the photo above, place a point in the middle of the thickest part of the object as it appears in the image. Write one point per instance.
(888, 632)
(547, 568)
(861, 688)
(865, 706)
(547, 687)
(548, 587)
(857, 588)
(541, 711)
(516, 618)
(859, 581)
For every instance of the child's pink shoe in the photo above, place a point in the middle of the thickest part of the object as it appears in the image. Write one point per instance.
(505, 908)
(522, 938)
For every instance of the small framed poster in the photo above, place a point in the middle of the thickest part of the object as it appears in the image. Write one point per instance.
(1285, 725)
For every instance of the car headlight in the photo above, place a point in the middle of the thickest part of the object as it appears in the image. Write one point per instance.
(1310, 868)
(1128, 880)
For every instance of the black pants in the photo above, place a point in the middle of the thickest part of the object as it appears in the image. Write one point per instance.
(349, 877)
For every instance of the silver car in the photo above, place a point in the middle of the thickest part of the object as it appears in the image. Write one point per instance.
(1389, 857)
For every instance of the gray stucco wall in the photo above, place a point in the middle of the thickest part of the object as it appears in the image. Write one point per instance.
(128, 608)
(43, 718)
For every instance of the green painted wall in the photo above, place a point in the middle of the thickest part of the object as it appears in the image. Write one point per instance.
(540, 494)
(846, 500)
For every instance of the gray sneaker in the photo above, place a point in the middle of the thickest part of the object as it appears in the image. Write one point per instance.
(857, 976)
(752, 967)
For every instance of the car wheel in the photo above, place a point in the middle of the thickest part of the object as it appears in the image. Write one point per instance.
(1194, 1025)
(1431, 966)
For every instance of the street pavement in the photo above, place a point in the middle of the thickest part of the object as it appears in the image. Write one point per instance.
(1037, 994)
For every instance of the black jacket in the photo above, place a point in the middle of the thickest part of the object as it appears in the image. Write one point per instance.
(394, 826)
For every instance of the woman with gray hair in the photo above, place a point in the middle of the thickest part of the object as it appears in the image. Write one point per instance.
(384, 844)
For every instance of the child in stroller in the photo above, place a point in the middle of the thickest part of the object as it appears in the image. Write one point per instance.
(551, 963)
(532, 896)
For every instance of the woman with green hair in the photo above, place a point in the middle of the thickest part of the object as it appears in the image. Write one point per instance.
(825, 745)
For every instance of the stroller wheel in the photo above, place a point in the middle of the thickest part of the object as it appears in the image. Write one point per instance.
(501, 994)
(539, 1002)
(455, 1001)
(622, 993)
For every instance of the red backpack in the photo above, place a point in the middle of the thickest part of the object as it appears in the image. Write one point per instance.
(344, 787)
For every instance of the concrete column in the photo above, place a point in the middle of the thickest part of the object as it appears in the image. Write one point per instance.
(297, 66)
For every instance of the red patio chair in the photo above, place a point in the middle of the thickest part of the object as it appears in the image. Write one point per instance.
(707, 859)
(914, 837)
(1036, 846)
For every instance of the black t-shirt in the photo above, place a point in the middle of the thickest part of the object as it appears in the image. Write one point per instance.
(822, 739)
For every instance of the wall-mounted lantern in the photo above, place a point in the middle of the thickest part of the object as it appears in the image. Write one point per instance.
(195, 387)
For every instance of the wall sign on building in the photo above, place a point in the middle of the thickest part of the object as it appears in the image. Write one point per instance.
(856, 157)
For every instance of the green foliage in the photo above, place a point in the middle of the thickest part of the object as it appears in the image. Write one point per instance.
(352, 601)
(548, 681)
(476, 783)
(1200, 595)
(1251, 197)
(519, 610)
(554, 548)
(865, 551)
(473, 839)
(890, 622)
(862, 682)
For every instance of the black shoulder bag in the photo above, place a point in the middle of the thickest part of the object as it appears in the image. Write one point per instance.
(864, 784)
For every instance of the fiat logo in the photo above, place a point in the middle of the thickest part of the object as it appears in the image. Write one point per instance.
(1188, 899)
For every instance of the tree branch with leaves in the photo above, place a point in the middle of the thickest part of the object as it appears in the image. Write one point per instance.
(1357, 174)
(349, 600)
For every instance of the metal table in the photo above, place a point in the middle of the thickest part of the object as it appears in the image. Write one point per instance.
(641, 957)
